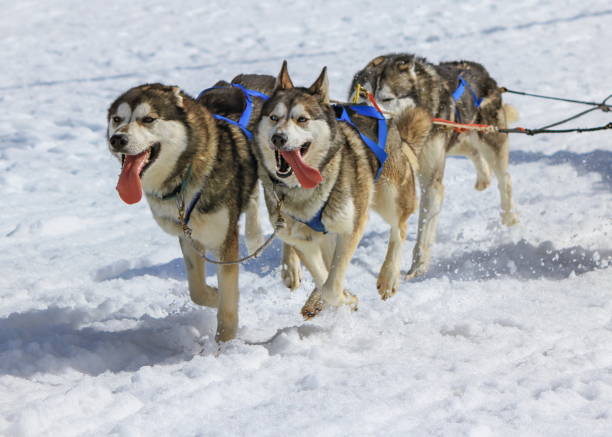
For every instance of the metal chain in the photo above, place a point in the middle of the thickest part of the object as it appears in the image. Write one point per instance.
(187, 232)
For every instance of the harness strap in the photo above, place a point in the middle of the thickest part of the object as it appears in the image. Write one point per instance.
(243, 122)
(377, 147)
(463, 84)
(315, 223)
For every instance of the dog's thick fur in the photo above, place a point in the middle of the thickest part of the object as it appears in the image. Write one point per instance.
(186, 145)
(348, 189)
(400, 81)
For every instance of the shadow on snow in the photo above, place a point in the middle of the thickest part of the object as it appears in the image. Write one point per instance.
(596, 161)
(520, 260)
(55, 339)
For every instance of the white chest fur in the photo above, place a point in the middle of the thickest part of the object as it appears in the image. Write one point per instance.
(209, 230)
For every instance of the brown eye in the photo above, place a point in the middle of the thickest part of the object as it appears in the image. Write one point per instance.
(302, 119)
(273, 117)
(148, 120)
(116, 119)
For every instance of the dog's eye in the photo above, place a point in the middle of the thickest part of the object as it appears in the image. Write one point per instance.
(148, 120)
(273, 117)
(302, 119)
(387, 100)
(116, 119)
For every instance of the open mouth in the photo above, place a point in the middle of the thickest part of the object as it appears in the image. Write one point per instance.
(129, 185)
(283, 169)
(144, 159)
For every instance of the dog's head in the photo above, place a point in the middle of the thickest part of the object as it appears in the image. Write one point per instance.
(294, 134)
(400, 81)
(147, 133)
(368, 79)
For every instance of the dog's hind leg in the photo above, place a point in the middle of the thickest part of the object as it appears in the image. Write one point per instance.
(431, 174)
(395, 208)
(496, 153)
(389, 276)
(469, 145)
(483, 172)
(200, 292)
(227, 314)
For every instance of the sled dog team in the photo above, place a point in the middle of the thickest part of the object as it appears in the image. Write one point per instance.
(323, 166)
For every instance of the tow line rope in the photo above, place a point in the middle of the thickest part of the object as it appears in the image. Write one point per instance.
(463, 127)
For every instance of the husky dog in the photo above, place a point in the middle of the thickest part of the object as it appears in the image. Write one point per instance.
(170, 144)
(459, 91)
(319, 176)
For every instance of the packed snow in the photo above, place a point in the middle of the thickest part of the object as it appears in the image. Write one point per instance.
(508, 334)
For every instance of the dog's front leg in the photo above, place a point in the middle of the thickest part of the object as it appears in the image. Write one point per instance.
(252, 227)
(227, 315)
(332, 293)
(200, 292)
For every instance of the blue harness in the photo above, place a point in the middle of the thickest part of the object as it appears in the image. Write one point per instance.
(378, 148)
(243, 122)
(463, 84)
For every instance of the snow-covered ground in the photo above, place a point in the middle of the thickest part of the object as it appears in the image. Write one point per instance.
(509, 334)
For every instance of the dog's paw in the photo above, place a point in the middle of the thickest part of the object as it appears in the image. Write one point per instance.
(386, 292)
(350, 299)
(509, 218)
(482, 184)
(387, 283)
(315, 303)
(205, 296)
(313, 306)
(415, 271)
(292, 275)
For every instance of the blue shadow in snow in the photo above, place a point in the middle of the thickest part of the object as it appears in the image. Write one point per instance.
(55, 339)
(520, 260)
(597, 161)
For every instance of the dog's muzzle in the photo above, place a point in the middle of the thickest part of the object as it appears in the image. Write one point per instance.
(279, 140)
(118, 142)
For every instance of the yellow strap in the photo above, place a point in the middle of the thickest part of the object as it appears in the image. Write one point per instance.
(357, 93)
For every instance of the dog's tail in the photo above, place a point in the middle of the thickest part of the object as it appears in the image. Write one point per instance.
(414, 126)
(510, 114)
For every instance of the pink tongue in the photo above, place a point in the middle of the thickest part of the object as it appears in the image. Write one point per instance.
(307, 176)
(129, 186)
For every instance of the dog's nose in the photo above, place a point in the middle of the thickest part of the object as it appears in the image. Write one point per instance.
(279, 140)
(118, 141)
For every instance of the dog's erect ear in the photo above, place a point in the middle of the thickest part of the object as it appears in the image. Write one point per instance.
(321, 86)
(377, 61)
(283, 81)
(178, 96)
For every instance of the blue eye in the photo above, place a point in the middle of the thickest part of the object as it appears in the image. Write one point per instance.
(302, 119)
(148, 120)
(273, 117)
